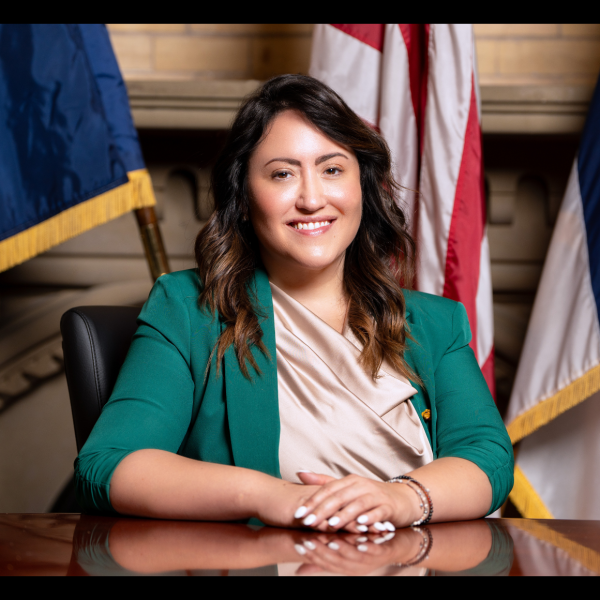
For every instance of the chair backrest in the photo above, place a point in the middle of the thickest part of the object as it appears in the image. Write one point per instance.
(95, 342)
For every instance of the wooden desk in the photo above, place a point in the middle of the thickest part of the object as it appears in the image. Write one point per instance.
(73, 544)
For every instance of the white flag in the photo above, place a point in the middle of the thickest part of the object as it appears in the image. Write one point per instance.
(555, 404)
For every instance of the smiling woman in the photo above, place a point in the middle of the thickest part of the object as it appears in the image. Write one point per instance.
(294, 376)
(298, 155)
(305, 212)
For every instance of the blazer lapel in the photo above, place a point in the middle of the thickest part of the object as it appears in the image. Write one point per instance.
(417, 359)
(253, 406)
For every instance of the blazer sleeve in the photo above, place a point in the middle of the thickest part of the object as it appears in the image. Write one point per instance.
(151, 404)
(468, 423)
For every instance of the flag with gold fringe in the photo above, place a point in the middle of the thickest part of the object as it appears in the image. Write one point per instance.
(70, 157)
(554, 410)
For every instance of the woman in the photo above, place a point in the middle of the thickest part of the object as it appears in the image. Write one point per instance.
(292, 355)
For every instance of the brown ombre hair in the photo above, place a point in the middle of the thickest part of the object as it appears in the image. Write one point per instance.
(378, 262)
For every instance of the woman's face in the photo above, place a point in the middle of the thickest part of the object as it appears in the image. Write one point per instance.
(305, 198)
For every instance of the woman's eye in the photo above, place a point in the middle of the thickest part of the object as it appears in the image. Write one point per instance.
(333, 170)
(281, 175)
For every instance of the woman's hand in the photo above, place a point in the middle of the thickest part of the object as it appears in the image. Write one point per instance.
(278, 500)
(356, 504)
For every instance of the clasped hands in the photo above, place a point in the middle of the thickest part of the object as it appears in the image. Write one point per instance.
(353, 503)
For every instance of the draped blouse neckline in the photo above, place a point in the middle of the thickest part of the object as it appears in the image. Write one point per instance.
(335, 418)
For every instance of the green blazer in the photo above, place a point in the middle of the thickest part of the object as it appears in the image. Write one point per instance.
(170, 396)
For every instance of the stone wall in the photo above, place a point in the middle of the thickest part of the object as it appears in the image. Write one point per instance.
(206, 51)
(538, 53)
(507, 53)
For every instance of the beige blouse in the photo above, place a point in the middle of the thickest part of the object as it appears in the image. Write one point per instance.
(334, 418)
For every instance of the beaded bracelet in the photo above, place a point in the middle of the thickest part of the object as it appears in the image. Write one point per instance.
(422, 492)
(424, 504)
(424, 549)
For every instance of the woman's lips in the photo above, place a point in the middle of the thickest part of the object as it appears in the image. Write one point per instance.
(311, 227)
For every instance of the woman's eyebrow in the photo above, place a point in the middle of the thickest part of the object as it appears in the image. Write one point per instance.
(291, 161)
(327, 157)
(318, 161)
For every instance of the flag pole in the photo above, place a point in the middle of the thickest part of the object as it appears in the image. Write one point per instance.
(152, 240)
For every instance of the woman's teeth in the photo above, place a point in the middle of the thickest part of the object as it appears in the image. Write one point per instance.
(311, 225)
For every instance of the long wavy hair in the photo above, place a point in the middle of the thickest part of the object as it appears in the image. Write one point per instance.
(378, 262)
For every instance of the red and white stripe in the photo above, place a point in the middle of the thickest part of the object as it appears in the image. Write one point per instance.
(417, 85)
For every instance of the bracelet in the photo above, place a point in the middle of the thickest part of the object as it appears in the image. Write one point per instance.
(424, 549)
(425, 505)
(423, 493)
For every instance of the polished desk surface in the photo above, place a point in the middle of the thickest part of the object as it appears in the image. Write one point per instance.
(73, 544)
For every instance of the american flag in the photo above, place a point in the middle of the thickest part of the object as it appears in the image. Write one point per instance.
(417, 85)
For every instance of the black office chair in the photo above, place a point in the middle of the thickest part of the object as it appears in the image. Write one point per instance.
(95, 342)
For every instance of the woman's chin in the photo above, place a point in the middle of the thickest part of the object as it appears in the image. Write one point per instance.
(301, 264)
(313, 267)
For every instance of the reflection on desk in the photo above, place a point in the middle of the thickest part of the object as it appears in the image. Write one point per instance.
(89, 545)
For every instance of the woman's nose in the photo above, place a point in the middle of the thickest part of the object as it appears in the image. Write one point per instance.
(310, 194)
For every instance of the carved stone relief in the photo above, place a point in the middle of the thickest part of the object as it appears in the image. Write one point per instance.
(525, 181)
(37, 440)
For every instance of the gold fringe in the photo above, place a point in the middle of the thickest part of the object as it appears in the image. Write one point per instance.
(136, 193)
(546, 410)
(526, 499)
(589, 558)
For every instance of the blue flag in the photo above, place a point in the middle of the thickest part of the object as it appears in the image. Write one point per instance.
(70, 157)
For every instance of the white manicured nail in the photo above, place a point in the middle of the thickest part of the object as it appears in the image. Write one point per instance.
(380, 540)
(300, 549)
(303, 471)
(300, 512)
(389, 536)
(362, 519)
(309, 545)
(362, 528)
(310, 519)
(389, 526)
(362, 538)
(333, 546)
(362, 548)
(379, 526)
(333, 521)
